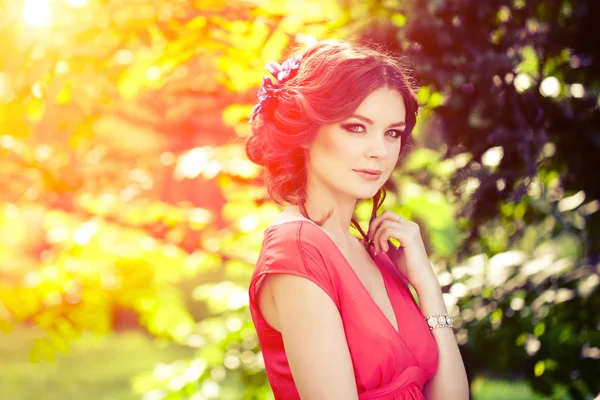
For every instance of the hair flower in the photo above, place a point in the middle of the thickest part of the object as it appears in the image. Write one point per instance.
(268, 89)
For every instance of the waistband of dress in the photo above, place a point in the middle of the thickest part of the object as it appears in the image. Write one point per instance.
(409, 377)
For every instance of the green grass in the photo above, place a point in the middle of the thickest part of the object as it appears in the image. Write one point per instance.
(492, 389)
(94, 369)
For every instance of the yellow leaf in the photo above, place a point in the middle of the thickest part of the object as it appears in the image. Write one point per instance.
(195, 24)
(275, 46)
(257, 35)
(64, 96)
(58, 342)
(539, 368)
(235, 113)
(35, 110)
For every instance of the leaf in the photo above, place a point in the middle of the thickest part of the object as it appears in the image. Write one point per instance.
(235, 114)
(35, 110)
(421, 158)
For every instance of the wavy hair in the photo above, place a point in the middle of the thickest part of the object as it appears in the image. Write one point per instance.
(333, 79)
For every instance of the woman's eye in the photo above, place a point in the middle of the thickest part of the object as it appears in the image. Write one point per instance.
(358, 128)
(397, 134)
(352, 127)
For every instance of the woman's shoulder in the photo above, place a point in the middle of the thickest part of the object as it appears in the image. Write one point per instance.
(294, 234)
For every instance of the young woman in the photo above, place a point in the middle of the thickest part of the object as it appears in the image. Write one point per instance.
(333, 313)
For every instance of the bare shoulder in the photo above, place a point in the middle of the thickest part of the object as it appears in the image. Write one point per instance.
(271, 281)
(314, 338)
(313, 334)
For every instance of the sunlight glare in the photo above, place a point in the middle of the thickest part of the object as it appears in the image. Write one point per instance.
(192, 163)
(77, 3)
(7, 93)
(37, 13)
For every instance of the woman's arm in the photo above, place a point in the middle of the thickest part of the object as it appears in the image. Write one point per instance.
(450, 380)
(314, 338)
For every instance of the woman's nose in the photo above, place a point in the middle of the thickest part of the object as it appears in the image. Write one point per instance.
(377, 148)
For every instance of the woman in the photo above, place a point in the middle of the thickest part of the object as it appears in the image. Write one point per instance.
(333, 313)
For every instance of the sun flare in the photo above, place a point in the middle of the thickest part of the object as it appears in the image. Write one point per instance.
(37, 13)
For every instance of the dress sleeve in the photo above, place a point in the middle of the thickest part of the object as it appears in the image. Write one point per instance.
(285, 252)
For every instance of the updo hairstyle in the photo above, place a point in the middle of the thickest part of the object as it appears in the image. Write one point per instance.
(332, 80)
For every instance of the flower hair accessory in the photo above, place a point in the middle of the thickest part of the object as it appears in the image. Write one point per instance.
(268, 89)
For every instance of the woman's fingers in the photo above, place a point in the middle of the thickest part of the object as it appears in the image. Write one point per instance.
(376, 226)
(403, 231)
(387, 214)
(386, 230)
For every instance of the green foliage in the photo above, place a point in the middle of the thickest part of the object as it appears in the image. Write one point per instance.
(521, 106)
(519, 77)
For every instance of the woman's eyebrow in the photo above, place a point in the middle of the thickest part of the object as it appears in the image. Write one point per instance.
(367, 120)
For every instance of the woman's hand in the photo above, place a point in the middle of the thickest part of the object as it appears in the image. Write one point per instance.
(410, 258)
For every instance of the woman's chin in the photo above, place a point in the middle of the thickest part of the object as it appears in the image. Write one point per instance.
(366, 195)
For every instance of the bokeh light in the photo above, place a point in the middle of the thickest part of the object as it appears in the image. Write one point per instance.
(37, 13)
(522, 82)
(550, 86)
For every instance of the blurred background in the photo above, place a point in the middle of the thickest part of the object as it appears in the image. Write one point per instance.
(130, 217)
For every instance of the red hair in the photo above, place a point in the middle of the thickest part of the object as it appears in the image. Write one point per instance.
(332, 81)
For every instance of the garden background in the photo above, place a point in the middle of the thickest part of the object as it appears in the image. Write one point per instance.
(130, 217)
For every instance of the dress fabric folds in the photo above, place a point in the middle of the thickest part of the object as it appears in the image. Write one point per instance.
(388, 364)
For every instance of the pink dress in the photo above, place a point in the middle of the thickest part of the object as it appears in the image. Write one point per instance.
(388, 364)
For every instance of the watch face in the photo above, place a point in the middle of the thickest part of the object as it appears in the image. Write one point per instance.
(432, 321)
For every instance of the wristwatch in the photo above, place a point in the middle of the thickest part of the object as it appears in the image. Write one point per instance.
(439, 321)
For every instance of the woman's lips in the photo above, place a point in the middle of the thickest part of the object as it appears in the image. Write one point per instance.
(368, 175)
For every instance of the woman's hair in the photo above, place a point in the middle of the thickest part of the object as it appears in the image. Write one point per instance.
(332, 80)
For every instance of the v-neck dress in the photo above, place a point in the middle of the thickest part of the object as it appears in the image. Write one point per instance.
(388, 364)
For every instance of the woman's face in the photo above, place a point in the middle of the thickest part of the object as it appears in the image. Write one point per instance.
(370, 139)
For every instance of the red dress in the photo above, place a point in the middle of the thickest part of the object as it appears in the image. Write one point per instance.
(388, 364)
